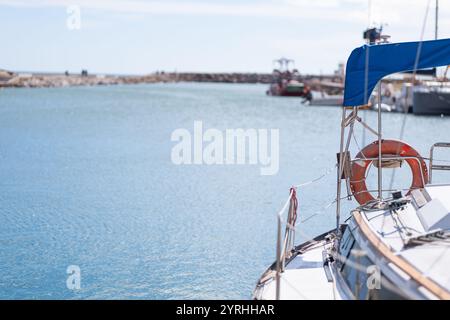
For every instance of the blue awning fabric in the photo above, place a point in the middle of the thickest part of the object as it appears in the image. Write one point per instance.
(386, 59)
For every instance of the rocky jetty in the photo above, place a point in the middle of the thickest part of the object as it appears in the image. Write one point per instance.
(45, 81)
(14, 80)
(224, 77)
(6, 75)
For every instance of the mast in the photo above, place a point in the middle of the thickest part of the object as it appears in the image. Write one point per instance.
(436, 27)
(380, 171)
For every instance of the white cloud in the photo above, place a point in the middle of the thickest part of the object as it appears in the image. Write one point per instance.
(319, 4)
(281, 9)
(324, 9)
(386, 11)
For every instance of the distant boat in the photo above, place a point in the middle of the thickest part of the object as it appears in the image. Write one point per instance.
(326, 92)
(427, 98)
(322, 99)
(431, 99)
(286, 82)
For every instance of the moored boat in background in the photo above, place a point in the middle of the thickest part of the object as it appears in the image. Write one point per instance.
(425, 98)
(286, 82)
(324, 99)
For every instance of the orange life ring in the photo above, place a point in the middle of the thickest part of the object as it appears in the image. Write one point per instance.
(388, 148)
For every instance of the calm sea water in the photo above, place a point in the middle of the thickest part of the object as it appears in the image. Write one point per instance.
(86, 179)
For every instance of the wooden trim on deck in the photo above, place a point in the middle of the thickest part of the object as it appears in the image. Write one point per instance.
(398, 261)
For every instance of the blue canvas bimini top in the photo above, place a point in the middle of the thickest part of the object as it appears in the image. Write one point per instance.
(386, 59)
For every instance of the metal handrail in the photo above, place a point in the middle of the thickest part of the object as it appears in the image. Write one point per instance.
(284, 247)
(437, 167)
(418, 159)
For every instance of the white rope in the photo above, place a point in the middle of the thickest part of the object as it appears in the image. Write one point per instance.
(329, 170)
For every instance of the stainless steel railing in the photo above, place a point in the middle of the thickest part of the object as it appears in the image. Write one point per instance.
(434, 166)
(286, 244)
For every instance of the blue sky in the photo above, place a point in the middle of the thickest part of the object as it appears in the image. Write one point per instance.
(137, 36)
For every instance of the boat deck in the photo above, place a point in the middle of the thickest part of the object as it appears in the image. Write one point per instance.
(409, 242)
(303, 279)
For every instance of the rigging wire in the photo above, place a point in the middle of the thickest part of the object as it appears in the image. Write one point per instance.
(327, 172)
(366, 75)
(416, 63)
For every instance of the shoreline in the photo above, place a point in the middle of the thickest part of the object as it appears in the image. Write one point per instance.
(13, 80)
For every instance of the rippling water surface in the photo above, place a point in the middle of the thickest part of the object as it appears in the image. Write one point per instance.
(86, 179)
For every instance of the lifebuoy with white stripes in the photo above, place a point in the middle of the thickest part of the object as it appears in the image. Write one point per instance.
(389, 148)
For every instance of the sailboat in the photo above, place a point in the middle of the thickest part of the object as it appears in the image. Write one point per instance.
(394, 244)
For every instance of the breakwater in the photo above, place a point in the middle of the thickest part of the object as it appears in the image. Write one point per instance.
(17, 80)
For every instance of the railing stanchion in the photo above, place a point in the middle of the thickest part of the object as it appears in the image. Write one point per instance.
(278, 266)
(380, 171)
